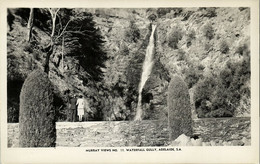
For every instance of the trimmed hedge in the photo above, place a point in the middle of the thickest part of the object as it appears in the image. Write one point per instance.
(179, 108)
(37, 116)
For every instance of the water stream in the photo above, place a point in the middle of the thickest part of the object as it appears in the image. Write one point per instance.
(146, 71)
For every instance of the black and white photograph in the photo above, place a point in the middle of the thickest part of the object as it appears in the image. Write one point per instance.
(129, 79)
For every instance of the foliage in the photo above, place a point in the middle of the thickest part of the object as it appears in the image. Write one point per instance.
(124, 50)
(175, 12)
(13, 91)
(208, 11)
(174, 37)
(243, 50)
(220, 95)
(192, 76)
(181, 55)
(10, 19)
(132, 34)
(191, 36)
(37, 117)
(152, 17)
(208, 31)
(224, 47)
(162, 11)
(179, 108)
(84, 42)
(42, 18)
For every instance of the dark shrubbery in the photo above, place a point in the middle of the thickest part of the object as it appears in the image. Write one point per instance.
(192, 76)
(243, 50)
(133, 33)
(208, 11)
(224, 47)
(152, 17)
(220, 95)
(179, 108)
(191, 36)
(37, 117)
(181, 55)
(162, 11)
(124, 50)
(208, 31)
(174, 37)
(13, 90)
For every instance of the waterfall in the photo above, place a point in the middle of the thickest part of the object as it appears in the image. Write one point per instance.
(146, 71)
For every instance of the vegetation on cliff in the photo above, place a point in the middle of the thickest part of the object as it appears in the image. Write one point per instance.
(101, 51)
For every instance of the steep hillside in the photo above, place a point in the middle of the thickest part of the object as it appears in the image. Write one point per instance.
(201, 43)
(208, 47)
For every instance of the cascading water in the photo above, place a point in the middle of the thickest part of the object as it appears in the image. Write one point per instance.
(147, 68)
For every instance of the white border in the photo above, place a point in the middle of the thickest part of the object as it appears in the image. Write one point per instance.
(217, 154)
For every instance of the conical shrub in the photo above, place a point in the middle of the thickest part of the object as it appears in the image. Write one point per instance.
(179, 108)
(36, 117)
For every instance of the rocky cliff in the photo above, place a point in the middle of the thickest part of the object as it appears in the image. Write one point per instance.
(195, 43)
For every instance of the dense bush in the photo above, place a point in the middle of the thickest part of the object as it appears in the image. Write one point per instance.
(243, 50)
(208, 11)
(37, 116)
(162, 11)
(13, 91)
(208, 31)
(152, 17)
(224, 47)
(191, 36)
(192, 76)
(124, 50)
(221, 95)
(202, 95)
(174, 37)
(181, 56)
(132, 34)
(175, 12)
(179, 108)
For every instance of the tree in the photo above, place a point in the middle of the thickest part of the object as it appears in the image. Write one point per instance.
(50, 47)
(37, 114)
(84, 42)
(179, 108)
(10, 19)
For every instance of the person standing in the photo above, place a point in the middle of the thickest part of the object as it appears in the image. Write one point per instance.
(80, 104)
(73, 108)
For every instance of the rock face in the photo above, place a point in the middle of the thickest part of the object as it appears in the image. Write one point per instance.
(190, 42)
(198, 42)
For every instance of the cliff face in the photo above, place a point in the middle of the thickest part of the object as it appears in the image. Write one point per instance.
(200, 42)
(195, 43)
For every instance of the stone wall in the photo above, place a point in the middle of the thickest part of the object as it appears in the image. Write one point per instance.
(143, 133)
(13, 134)
(110, 134)
(223, 129)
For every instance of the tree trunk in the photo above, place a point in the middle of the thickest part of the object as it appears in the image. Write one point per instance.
(49, 53)
(50, 50)
(30, 24)
(62, 53)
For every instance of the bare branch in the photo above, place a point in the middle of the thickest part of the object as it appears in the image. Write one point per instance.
(64, 29)
(50, 12)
